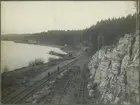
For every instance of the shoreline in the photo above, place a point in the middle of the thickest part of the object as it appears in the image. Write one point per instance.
(25, 66)
(21, 77)
(56, 46)
(64, 48)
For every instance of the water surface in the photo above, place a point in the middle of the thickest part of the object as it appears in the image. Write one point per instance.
(17, 55)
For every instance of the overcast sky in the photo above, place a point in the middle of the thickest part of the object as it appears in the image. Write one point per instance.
(31, 17)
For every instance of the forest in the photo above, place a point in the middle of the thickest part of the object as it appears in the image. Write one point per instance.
(104, 32)
(108, 32)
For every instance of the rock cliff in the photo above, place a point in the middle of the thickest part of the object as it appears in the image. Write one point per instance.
(114, 72)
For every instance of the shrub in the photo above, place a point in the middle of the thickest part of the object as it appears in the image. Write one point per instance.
(7, 80)
(5, 69)
(51, 59)
(36, 62)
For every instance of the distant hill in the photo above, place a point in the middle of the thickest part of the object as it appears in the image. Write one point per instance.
(56, 37)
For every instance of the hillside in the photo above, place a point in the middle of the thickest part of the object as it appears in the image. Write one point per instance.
(114, 72)
(55, 37)
(107, 32)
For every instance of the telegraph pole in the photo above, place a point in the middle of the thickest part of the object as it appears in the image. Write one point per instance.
(137, 14)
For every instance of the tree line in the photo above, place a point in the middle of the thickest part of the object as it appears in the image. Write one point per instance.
(107, 32)
(104, 32)
(55, 37)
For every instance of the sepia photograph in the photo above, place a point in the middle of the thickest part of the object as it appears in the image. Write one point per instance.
(70, 52)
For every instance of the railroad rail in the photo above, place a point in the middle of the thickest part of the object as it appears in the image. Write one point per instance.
(80, 96)
(61, 89)
(21, 95)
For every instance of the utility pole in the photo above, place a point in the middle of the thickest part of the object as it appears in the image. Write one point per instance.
(137, 15)
(137, 23)
(98, 42)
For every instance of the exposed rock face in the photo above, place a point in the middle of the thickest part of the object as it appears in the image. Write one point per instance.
(115, 72)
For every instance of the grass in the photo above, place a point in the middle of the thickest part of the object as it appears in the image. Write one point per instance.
(7, 81)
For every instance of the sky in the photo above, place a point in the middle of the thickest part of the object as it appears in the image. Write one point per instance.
(34, 16)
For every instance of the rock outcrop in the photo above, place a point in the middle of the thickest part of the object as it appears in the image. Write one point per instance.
(114, 72)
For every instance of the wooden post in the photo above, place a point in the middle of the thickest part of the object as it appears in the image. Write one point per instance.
(137, 14)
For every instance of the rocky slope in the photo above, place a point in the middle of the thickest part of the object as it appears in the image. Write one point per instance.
(114, 72)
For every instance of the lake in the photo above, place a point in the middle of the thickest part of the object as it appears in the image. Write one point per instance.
(18, 55)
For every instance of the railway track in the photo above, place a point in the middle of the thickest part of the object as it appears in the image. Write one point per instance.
(60, 88)
(80, 96)
(21, 95)
(63, 90)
